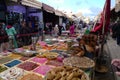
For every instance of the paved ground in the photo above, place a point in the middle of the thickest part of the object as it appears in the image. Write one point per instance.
(111, 51)
(106, 60)
(114, 51)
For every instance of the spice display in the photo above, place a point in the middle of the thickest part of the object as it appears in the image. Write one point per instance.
(43, 69)
(24, 58)
(2, 68)
(39, 60)
(13, 63)
(15, 56)
(5, 59)
(81, 62)
(28, 66)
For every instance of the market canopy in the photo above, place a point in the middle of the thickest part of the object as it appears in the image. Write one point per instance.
(14, 0)
(117, 6)
(32, 3)
(58, 13)
(48, 8)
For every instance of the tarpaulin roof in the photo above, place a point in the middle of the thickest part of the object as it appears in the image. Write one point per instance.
(32, 3)
(48, 8)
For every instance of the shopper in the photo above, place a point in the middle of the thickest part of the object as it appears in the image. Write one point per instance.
(24, 33)
(118, 33)
(72, 29)
(41, 28)
(56, 30)
(50, 29)
(11, 32)
(31, 31)
(60, 29)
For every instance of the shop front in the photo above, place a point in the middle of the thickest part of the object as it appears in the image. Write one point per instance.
(50, 19)
(3, 9)
(19, 11)
(59, 14)
(33, 10)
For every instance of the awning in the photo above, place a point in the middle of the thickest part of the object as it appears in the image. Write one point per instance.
(32, 3)
(14, 0)
(64, 15)
(117, 7)
(58, 13)
(48, 8)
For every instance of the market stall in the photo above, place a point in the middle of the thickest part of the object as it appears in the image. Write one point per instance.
(58, 58)
(49, 17)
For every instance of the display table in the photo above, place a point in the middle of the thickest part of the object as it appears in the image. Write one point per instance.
(16, 66)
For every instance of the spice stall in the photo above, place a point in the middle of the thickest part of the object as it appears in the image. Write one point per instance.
(53, 59)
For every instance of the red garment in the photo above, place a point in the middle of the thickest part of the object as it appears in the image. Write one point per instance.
(9, 26)
(72, 29)
(105, 18)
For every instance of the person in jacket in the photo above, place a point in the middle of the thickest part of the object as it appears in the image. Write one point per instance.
(118, 33)
(11, 32)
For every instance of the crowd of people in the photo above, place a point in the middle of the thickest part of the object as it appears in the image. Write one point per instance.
(17, 35)
(14, 36)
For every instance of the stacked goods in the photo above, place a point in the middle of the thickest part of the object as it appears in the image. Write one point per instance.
(80, 62)
(66, 73)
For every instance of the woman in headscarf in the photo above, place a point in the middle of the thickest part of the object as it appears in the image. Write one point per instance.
(11, 32)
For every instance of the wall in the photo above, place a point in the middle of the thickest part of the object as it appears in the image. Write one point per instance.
(16, 8)
(60, 20)
(40, 15)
